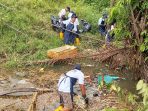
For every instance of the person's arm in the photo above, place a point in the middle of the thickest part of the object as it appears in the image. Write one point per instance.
(83, 90)
(82, 87)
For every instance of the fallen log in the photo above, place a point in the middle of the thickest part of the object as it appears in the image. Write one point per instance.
(12, 91)
(100, 55)
(48, 61)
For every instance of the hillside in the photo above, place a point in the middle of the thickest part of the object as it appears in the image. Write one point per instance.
(26, 32)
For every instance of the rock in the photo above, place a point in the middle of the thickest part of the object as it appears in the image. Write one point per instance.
(21, 74)
(4, 82)
(22, 82)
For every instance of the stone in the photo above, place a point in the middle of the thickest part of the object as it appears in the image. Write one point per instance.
(21, 74)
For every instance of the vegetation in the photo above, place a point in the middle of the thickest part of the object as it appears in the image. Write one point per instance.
(143, 89)
(131, 16)
(25, 28)
(26, 33)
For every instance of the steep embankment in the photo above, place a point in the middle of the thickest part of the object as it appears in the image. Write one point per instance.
(25, 31)
(25, 28)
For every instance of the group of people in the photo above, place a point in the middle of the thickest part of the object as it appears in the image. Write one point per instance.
(69, 79)
(106, 30)
(69, 25)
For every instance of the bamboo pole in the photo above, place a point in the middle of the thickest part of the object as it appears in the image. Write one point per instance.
(32, 106)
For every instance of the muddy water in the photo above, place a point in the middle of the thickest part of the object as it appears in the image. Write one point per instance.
(94, 68)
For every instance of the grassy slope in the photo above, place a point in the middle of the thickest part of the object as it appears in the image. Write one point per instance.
(32, 18)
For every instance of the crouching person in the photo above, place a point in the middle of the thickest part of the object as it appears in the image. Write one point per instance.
(65, 87)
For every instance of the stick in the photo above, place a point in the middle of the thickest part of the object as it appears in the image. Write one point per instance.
(79, 34)
(32, 106)
(25, 90)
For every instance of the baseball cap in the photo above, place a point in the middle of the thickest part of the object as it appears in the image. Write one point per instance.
(73, 16)
(77, 66)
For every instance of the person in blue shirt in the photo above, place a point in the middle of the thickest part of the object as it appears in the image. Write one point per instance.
(68, 35)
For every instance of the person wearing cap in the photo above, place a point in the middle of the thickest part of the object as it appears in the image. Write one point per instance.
(102, 25)
(76, 23)
(62, 13)
(66, 89)
(68, 34)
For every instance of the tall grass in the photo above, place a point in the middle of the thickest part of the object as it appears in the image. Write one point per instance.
(25, 29)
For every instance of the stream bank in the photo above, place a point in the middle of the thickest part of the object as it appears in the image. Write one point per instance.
(47, 77)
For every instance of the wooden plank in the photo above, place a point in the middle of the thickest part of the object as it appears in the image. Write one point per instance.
(66, 51)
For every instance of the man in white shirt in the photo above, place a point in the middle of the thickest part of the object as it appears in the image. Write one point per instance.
(76, 23)
(65, 87)
(62, 13)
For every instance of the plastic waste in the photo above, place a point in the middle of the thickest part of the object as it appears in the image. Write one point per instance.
(107, 79)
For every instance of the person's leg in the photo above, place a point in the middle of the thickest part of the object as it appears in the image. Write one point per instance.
(72, 38)
(68, 104)
(66, 38)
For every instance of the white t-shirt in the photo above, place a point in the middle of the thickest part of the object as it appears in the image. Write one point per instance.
(76, 23)
(100, 21)
(64, 86)
(69, 15)
(62, 12)
(112, 27)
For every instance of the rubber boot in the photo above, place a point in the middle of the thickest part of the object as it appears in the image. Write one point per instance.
(61, 35)
(59, 108)
(77, 41)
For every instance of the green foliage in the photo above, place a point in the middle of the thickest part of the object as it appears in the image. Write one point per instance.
(25, 31)
(132, 98)
(144, 45)
(25, 26)
(110, 109)
(120, 12)
(99, 5)
(143, 89)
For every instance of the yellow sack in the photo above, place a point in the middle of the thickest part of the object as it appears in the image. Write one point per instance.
(61, 35)
(77, 41)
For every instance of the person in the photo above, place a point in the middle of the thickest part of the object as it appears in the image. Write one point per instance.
(76, 23)
(75, 28)
(70, 14)
(62, 14)
(102, 25)
(110, 32)
(68, 34)
(66, 89)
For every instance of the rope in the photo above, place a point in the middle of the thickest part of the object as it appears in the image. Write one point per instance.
(78, 34)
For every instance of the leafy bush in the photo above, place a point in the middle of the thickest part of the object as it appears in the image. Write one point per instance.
(143, 89)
